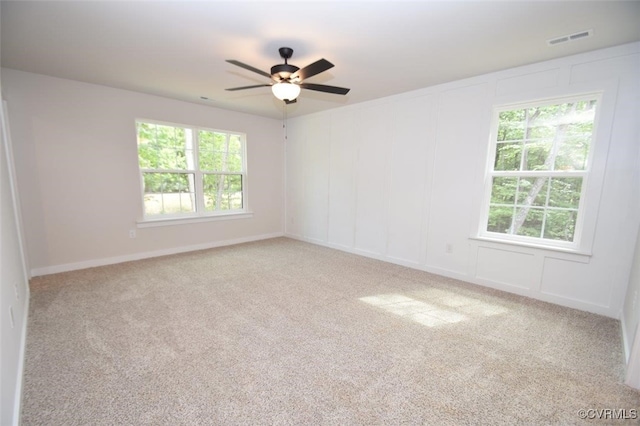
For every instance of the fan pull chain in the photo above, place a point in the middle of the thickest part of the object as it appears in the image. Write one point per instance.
(284, 119)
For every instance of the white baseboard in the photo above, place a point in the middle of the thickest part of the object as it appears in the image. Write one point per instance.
(21, 357)
(544, 297)
(146, 255)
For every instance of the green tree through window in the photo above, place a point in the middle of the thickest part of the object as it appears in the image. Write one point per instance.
(188, 171)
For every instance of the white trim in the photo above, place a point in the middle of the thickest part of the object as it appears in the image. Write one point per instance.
(169, 221)
(626, 342)
(13, 184)
(17, 408)
(556, 252)
(633, 365)
(145, 255)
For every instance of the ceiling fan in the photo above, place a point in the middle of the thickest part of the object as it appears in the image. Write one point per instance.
(288, 79)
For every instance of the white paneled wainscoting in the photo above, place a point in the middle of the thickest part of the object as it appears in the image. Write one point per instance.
(401, 179)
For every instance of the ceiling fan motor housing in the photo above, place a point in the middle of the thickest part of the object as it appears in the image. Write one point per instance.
(283, 71)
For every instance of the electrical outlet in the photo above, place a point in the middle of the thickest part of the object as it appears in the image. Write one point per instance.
(448, 248)
(132, 233)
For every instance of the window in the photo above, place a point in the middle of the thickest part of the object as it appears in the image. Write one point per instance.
(189, 171)
(539, 166)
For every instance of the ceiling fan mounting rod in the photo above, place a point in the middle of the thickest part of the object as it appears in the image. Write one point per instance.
(285, 53)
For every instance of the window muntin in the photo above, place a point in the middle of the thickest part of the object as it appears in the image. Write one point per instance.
(188, 171)
(540, 160)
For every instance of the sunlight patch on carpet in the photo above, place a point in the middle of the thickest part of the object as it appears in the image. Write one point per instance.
(446, 309)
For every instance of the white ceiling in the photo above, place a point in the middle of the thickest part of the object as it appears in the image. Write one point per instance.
(379, 48)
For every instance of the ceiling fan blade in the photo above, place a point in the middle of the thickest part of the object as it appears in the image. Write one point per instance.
(248, 67)
(324, 88)
(247, 87)
(312, 69)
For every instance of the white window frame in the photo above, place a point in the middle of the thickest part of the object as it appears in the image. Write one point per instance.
(578, 245)
(200, 214)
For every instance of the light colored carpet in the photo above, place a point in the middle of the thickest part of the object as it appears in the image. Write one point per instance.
(285, 332)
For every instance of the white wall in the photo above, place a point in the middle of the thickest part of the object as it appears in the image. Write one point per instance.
(76, 159)
(401, 179)
(14, 291)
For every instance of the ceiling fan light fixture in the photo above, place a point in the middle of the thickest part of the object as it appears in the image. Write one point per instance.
(285, 91)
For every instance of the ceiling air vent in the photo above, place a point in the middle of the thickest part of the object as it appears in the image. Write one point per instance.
(570, 37)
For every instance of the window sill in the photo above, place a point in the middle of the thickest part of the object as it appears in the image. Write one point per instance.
(563, 253)
(151, 223)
